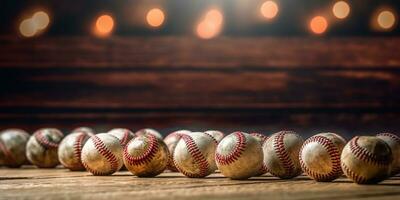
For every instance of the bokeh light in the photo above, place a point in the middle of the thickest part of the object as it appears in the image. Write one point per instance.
(386, 19)
(155, 17)
(341, 9)
(27, 28)
(269, 9)
(104, 25)
(41, 20)
(318, 24)
(211, 25)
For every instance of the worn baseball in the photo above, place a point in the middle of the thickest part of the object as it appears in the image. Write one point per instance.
(12, 147)
(366, 160)
(281, 154)
(147, 131)
(70, 149)
(217, 135)
(88, 130)
(239, 156)
(394, 143)
(194, 155)
(124, 135)
(260, 138)
(320, 156)
(102, 154)
(42, 147)
(171, 141)
(146, 156)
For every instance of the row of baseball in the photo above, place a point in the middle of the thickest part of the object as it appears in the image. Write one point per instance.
(323, 157)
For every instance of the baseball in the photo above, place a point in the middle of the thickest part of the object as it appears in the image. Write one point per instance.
(320, 156)
(239, 156)
(88, 130)
(366, 160)
(281, 154)
(217, 135)
(394, 143)
(123, 135)
(102, 154)
(194, 155)
(146, 156)
(69, 151)
(12, 147)
(171, 141)
(42, 146)
(146, 131)
(260, 138)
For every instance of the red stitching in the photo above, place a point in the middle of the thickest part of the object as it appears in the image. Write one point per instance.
(333, 152)
(357, 178)
(262, 136)
(393, 136)
(124, 139)
(104, 151)
(78, 145)
(171, 165)
(147, 156)
(44, 141)
(236, 153)
(282, 154)
(363, 154)
(198, 157)
(210, 136)
(9, 156)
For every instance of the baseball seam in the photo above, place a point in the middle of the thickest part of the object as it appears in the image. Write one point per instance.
(210, 136)
(104, 151)
(235, 154)
(282, 154)
(9, 156)
(78, 146)
(366, 156)
(352, 175)
(334, 154)
(197, 156)
(147, 156)
(44, 141)
(124, 139)
(394, 137)
(171, 165)
(263, 137)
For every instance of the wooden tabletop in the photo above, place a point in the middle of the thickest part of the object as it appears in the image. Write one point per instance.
(62, 184)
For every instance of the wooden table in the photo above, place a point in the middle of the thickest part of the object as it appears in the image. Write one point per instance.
(63, 184)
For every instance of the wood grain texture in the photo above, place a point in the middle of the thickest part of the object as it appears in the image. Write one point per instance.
(62, 184)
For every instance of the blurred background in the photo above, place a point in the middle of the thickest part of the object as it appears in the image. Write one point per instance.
(252, 65)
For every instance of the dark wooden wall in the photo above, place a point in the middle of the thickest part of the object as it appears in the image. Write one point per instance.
(346, 85)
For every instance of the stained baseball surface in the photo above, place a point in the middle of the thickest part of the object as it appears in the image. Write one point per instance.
(217, 135)
(366, 159)
(102, 154)
(42, 147)
(12, 147)
(147, 131)
(171, 141)
(194, 155)
(88, 130)
(394, 143)
(124, 135)
(262, 139)
(69, 151)
(281, 154)
(146, 156)
(320, 156)
(239, 156)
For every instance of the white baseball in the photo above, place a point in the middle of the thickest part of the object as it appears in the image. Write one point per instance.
(102, 154)
(281, 154)
(69, 151)
(42, 147)
(320, 156)
(217, 135)
(12, 147)
(85, 129)
(394, 143)
(262, 139)
(146, 131)
(194, 155)
(171, 141)
(239, 156)
(366, 160)
(146, 156)
(124, 135)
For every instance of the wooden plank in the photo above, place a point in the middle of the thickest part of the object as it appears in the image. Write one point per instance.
(189, 52)
(60, 183)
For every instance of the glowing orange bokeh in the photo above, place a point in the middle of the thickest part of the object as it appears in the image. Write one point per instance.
(341, 9)
(211, 25)
(269, 9)
(104, 25)
(386, 19)
(155, 17)
(318, 25)
(41, 20)
(27, 28)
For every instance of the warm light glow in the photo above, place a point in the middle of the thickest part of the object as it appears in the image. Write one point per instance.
(104, 25)
(386, 19)
(27, 28)
(341, 9)
(269, 9)
(155, 17)
(41, 20)
(318, 25)
(211, 25)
